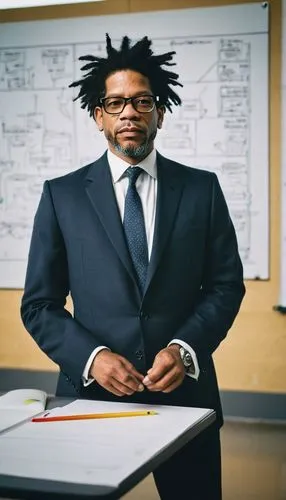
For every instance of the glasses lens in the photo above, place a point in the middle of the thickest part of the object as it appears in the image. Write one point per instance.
(114, 104)
(144, 103)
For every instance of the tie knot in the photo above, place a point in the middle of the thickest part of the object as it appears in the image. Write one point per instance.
(133, 174)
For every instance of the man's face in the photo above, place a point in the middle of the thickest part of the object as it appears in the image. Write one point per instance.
(130, 134)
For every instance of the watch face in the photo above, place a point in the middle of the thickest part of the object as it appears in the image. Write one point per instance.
(186, 357)
(187, 360)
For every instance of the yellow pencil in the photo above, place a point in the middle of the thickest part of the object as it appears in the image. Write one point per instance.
(89, 416)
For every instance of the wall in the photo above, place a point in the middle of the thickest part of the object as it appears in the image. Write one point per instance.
(252, 358)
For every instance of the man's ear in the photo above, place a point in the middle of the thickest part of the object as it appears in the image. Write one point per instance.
(98, 117)
(161, 113)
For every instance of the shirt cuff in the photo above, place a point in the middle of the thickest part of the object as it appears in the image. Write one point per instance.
(192, 353)
(85, 378)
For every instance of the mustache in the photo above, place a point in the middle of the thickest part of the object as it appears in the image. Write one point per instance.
(129, 127)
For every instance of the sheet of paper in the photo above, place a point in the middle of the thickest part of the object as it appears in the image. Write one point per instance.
(9, 418)
(98, 452)
(19, 404)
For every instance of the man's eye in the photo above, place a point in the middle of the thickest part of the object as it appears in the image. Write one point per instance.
(114, 103)
(144, 101)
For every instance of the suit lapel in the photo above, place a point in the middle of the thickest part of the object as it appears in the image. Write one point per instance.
(170, 185)
(101, 194)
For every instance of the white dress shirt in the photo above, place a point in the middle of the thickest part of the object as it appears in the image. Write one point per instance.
(146, 186)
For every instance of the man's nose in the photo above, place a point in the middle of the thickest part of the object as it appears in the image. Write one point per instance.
(129, 111)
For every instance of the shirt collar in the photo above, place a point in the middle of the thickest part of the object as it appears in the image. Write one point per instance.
(118, 166)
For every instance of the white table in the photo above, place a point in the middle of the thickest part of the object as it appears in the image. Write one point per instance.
(99, 459)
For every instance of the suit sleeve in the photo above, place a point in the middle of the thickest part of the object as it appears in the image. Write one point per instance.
(43, 311)
(222, 288)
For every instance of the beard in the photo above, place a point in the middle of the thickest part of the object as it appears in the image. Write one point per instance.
(132, 151)
(138, 152)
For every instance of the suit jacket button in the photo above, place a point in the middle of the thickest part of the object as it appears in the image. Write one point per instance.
(139, 354)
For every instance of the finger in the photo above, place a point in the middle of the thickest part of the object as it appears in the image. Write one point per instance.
(165, 388)
(164, 382)
(137, 376)
(169, 381)
(130, 383)
(126, 390)
(155, 374)
(111, 388)
(132, 370)
(115, 387)
(173, 386)
(164, 362)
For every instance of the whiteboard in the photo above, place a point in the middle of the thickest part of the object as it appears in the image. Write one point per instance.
(222, 126)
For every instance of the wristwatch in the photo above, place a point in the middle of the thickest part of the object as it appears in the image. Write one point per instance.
(187, 360)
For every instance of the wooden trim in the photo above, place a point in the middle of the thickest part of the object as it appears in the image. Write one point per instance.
(151, 5)
(65, 11)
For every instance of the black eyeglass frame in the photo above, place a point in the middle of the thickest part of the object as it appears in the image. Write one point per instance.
(127, 100)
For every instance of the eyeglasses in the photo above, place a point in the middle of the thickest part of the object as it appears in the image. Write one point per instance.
(141, 103)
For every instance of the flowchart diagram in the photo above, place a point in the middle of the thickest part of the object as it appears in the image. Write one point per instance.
(44, 134)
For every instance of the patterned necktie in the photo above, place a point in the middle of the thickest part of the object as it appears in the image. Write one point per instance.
(133, 223)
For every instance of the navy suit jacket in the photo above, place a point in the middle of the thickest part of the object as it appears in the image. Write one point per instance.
(193, 291)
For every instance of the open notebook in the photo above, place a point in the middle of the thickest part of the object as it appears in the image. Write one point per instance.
(105, 452)
(19, 405)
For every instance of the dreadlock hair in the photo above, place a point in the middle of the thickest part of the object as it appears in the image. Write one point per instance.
(138, 58)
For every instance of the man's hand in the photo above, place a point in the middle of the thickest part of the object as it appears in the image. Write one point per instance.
(115, 374)
(167, 372)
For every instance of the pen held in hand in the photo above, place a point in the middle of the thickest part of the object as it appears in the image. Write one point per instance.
(91, 416)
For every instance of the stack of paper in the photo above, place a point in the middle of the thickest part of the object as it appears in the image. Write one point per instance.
(102, 451)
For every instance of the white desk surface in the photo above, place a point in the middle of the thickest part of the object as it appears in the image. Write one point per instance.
(94, 457)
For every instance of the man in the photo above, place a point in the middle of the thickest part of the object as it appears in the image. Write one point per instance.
(149, 256)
